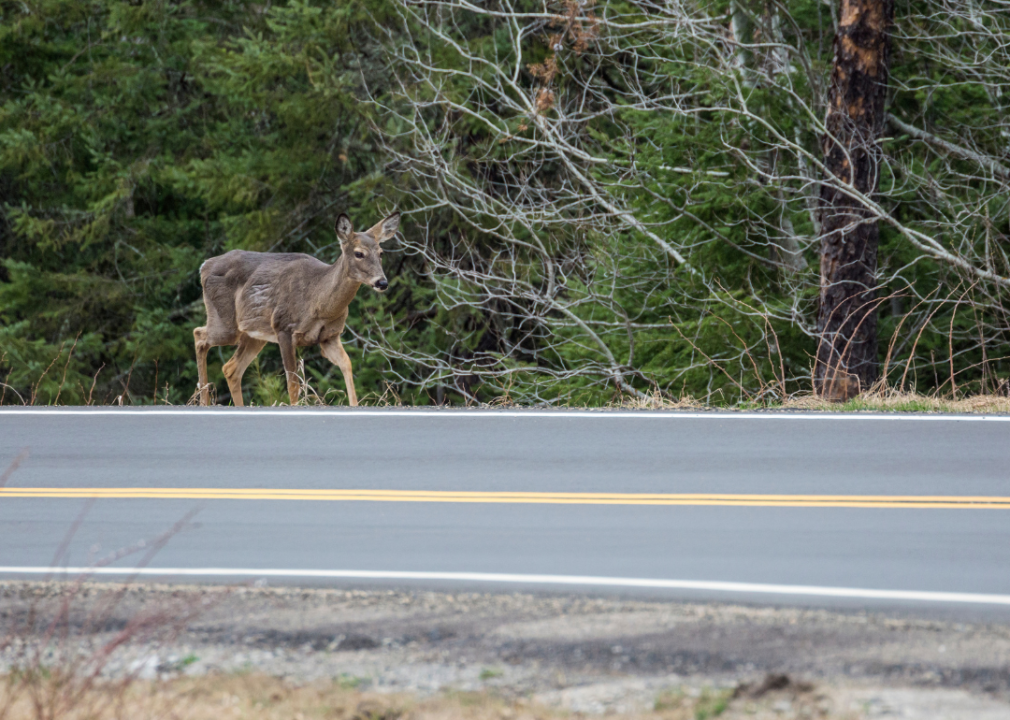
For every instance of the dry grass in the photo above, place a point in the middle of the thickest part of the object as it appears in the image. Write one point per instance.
(873, 401)
(270, 390)
(895, 401)
(656, 401)
(58, 648)
(258, 697)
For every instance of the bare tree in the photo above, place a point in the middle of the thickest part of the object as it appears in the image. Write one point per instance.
(630, 195)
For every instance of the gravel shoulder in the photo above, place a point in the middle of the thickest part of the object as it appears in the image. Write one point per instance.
(574, 654)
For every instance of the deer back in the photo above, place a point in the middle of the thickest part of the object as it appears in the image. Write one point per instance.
(260, 293)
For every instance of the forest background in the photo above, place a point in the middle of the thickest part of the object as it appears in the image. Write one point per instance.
(601, 200)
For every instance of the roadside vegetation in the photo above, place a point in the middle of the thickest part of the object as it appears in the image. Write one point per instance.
(873, 401)
(604, 203)
(259, 697)
(85, 650)
(62, 658)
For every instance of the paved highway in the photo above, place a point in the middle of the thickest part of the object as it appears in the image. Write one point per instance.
(833, 510)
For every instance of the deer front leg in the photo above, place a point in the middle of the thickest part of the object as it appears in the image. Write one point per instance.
(335, 353)
(290, 358)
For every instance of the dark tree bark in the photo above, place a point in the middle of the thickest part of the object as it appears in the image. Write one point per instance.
(847, 318)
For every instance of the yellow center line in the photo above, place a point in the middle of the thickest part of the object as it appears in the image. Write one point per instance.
(544, 498)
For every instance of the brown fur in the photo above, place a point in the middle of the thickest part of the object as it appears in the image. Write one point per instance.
(291, 299)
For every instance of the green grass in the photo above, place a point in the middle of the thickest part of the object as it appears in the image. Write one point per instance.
(710, 704)
(350, 682)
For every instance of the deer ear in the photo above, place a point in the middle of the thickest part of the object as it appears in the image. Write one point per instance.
(385, 229)
(343, 228)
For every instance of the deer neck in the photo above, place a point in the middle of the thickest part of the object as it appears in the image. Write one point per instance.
(340, 289)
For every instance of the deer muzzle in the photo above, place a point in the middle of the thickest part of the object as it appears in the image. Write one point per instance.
(381, 284)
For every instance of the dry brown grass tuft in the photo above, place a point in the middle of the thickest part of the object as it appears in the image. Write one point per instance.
(656, 401)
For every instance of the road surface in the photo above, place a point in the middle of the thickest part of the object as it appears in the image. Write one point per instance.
(856, 511)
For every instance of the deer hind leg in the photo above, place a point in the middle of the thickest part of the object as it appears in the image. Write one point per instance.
(247, 350)
(202, 348)
(335, 353)
(289, 357)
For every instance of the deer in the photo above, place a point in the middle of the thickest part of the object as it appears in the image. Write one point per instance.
(292, 299)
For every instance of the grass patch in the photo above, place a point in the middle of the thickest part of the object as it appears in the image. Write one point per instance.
(872, 401)
(351, 682)
(894, 401)
(490, 673)
(712, 703)
(260, 697)
(709, 703)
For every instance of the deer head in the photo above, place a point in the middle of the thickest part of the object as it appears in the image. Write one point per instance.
(363, 251)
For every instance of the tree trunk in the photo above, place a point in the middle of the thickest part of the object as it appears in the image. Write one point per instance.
(847, 319)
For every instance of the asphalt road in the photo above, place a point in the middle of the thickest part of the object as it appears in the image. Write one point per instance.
(713, 506)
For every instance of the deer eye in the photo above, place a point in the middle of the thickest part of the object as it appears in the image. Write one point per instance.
(358, 254)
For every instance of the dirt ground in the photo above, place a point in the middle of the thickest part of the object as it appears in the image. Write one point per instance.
(203, 651)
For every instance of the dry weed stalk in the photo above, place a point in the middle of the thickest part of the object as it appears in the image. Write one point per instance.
(59, 647)
(59, 638)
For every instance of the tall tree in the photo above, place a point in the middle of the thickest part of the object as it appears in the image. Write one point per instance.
(847, 317)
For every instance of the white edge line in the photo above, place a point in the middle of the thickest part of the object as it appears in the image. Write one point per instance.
(584, 580)
(451, 414)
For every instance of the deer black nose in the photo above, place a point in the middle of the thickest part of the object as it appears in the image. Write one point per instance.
(381, 284)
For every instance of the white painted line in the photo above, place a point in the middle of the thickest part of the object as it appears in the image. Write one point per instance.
(223, 412)
(582, 580)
